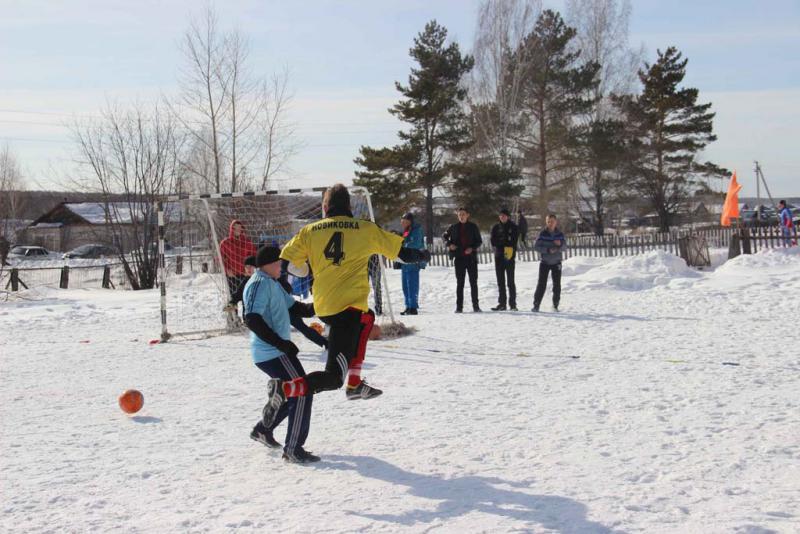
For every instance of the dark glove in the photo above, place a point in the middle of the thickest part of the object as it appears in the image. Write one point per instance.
(426, 255)
(288, 348)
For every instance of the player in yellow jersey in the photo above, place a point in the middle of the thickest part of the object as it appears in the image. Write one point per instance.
(338, 249)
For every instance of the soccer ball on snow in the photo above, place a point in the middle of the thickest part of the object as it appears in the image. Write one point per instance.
(131, 401)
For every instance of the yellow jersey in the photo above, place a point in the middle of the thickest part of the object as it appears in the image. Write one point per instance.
(338, 250)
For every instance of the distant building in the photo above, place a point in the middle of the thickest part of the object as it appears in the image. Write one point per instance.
(71, 224)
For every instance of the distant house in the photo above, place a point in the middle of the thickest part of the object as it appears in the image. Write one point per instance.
(69, 225)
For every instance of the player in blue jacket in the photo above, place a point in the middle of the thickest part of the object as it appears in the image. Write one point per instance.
(413, 237)
(787, 225)
(266, 308)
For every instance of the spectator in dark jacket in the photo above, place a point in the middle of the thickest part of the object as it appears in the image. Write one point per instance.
(504, 243)
(522, 226)
(463, 240)
(549, 244)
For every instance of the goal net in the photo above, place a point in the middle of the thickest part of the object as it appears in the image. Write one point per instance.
(197, 276)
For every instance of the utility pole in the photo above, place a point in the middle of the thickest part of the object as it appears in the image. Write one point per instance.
(760, 176)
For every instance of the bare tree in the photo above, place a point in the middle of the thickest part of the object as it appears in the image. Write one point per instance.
(236, 120)
(602, 28)
(132, 154)
(496, 81)
(11, 200)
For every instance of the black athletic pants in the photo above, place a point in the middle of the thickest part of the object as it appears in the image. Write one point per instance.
(296, 409)
(342, 347)
(505, 270)
(466, 265)
(541, 285)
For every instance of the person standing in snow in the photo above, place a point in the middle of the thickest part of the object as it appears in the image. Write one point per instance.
(462, 240)
(5, 247)
(522, 226)
(787, 225)
(234, 249)
(550, 244)
(338, 249)
(267, 307)
(413, 237)
(504, 242)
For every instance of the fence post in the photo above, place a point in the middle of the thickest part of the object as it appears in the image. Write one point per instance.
(106, 276)
(14, 279)
(179, 265)
(64, 283)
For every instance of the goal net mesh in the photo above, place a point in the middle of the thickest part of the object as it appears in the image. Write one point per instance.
(198, 276)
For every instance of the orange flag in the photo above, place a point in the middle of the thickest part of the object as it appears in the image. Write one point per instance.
(730, 210)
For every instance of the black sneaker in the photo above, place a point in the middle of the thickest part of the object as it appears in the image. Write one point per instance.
(499, 307)
(535, 308)
(266, 438)
(555, 307)
(459, 310)
(362, 391)
(275, 399)
(300, 456)
(409, 311)
(513, 308)
(476, 309)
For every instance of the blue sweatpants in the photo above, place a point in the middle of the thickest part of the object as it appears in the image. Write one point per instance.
(296, 409)
(410, 274)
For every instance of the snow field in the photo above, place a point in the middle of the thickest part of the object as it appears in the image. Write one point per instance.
(617, 414)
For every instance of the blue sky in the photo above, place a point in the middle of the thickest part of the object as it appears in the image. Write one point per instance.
(60, 59)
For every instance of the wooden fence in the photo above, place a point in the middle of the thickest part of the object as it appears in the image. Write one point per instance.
(629, 245)
(111, 275)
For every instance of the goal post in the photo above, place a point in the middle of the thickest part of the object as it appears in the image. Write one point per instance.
(194, 272)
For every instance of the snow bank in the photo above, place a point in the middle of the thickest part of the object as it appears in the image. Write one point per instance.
(632, 273)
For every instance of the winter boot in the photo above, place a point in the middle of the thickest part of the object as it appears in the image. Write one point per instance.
(499, 307)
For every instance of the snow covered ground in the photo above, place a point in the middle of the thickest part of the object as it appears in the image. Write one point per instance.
(621, 413)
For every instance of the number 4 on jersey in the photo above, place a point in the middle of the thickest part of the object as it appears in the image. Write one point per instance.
(334, 250)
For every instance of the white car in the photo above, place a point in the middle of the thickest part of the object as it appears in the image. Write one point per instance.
(28, 251)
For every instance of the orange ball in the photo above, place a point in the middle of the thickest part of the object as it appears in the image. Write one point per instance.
(375, 333)
(317, 327)
(131, 401)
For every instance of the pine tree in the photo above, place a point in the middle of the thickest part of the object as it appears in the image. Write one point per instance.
(483, 187)
(389, 176)
(558, 90)
(432, 107)
(666, 128)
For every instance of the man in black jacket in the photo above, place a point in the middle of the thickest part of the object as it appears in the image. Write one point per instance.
(462, 240)
(504, 243)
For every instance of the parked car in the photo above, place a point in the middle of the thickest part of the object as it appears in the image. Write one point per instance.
(91, 251)
(28, 251)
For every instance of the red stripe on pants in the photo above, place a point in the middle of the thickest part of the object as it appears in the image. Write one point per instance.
(354, 370)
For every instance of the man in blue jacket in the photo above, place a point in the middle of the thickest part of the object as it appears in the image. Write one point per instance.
(413, 237)
(787, 224)
(549, 244)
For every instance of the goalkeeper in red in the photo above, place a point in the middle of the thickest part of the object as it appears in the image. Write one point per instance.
(338, 249)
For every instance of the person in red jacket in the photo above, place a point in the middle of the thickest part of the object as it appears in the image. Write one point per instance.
(234, 249)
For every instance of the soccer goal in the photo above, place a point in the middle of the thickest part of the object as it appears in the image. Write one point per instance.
(195, 276)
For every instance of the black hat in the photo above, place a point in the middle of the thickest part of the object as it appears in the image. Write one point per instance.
(505, 211)
(267, 255)
(408, 216)
(250, 260)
